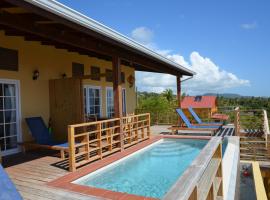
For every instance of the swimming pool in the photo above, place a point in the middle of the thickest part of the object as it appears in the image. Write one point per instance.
(149, 172)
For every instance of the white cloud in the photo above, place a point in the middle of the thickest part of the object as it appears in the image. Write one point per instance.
(143, 35)
(249, 26)
(209, 78)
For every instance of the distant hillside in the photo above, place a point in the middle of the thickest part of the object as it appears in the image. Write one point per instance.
(225, 95)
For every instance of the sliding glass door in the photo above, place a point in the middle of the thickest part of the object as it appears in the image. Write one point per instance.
(9, 116)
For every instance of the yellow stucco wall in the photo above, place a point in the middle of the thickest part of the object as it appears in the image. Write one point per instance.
(51, 63)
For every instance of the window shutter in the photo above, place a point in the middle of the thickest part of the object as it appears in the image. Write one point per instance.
(8, 59)
(77, 70)
(109, 75)
(95, 71)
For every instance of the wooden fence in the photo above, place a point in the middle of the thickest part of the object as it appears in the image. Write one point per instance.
(94, 140)
(249, 122)
(203, 179)
(253, 128)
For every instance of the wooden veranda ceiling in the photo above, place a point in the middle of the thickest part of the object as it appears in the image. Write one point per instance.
(19, 18)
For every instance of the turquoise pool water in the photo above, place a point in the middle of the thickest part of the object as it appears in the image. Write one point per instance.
(150, 172)
(224, 145)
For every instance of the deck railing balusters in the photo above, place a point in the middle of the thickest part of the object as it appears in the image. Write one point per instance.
(91, 141)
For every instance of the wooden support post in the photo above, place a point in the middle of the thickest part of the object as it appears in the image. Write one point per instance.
(178, 84)
(237, 122)
(148, 125)
(99, 140)
(194, 194)
(71, 142)
(117, 90)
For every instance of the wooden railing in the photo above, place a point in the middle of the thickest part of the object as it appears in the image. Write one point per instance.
(248, 121)
(161, 118)
(94, 140)
(203, 179)
(136, 128)
(253, 128)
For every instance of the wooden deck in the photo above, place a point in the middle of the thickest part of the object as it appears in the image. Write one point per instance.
(32, 171)
(226, 130)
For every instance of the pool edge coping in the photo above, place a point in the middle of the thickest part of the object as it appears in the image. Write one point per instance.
(65, 182)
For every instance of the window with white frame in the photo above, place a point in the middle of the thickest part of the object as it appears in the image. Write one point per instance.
(110, 102)
(92, 101)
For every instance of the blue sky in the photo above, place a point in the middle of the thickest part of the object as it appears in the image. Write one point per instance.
(226, 42)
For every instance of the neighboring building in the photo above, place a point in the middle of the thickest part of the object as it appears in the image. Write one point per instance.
(204, 106)
(57, 63)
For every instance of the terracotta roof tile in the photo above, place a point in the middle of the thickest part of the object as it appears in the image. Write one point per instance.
(203, 102)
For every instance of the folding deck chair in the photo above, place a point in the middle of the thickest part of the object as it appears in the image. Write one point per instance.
(198, 119)
(42, 137)
(191, 127)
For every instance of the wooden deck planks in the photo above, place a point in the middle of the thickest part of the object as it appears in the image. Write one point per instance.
(31, 178)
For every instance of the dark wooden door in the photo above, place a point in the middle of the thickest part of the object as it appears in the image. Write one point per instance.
(66, 105)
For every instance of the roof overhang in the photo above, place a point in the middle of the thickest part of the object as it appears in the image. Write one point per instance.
(102, 41)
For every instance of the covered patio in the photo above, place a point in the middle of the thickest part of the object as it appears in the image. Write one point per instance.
(51, 25)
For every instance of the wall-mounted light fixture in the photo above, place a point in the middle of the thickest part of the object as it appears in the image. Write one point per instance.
(64, 75)
(35, 75)
(131, 80)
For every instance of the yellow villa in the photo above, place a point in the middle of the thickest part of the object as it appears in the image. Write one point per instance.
(65, 68)
(74, 78)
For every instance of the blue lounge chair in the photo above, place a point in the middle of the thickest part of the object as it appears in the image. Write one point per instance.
(198, 119)
(8, 190)
(194, 126)
(43, 137)
(197, 127)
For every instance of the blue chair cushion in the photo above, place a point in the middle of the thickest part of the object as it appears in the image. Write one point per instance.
(8, 190)
(187, 122)
(198, 119)
(39, 130)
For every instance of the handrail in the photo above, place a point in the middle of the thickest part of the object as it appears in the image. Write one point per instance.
(203, 178)
(266, 127)
(160, 118)
(92, 123)
(91, 141)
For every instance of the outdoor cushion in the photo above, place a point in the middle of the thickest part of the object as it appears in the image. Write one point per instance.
(8, 190)
(187, 122)
(198, 119)
(39, 130)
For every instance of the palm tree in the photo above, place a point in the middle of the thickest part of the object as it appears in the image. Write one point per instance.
(168, 94)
